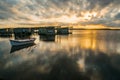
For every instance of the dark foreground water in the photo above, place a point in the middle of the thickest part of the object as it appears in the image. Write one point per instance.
(83, 55)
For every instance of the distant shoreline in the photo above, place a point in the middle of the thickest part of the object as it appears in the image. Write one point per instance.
(95, 29)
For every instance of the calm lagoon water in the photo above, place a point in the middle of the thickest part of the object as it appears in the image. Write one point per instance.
(83, 55)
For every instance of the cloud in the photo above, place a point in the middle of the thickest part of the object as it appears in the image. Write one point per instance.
(65, 11)
(117, 16)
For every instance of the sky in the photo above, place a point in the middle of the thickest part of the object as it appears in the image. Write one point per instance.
(83, 12)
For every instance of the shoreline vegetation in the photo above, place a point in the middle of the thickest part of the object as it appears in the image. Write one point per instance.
(71, 28)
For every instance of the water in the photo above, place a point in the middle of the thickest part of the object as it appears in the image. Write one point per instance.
(83, 55)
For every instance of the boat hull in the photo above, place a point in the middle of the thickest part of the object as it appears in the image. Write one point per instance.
(19, 43)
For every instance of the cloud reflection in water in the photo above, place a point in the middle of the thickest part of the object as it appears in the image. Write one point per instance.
(93, 56)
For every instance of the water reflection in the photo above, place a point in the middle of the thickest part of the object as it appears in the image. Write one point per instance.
(6, 36)
(105, 41)
(66, 69)
(47, 38)
(83, 55)
(102, 66)
(62, 66)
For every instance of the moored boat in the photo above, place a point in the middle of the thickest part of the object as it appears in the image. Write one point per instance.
(22, 42)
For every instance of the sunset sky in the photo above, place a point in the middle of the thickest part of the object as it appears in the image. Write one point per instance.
(83, 12)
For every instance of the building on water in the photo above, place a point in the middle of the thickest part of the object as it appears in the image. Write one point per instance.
(63, 31)
(6, 32)
(46, 31)
(22, 32)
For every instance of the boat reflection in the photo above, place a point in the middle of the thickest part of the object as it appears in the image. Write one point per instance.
(17, 48)
(47, 38)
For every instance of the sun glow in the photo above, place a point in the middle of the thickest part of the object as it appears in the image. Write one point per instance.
(89, 15)
(64, 19)
(72, 19)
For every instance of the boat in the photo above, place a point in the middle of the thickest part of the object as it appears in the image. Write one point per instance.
(22, 42)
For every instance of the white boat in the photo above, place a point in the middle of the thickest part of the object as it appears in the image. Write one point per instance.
(22, 42)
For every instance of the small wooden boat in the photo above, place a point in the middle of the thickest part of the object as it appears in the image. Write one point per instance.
(22, 42)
